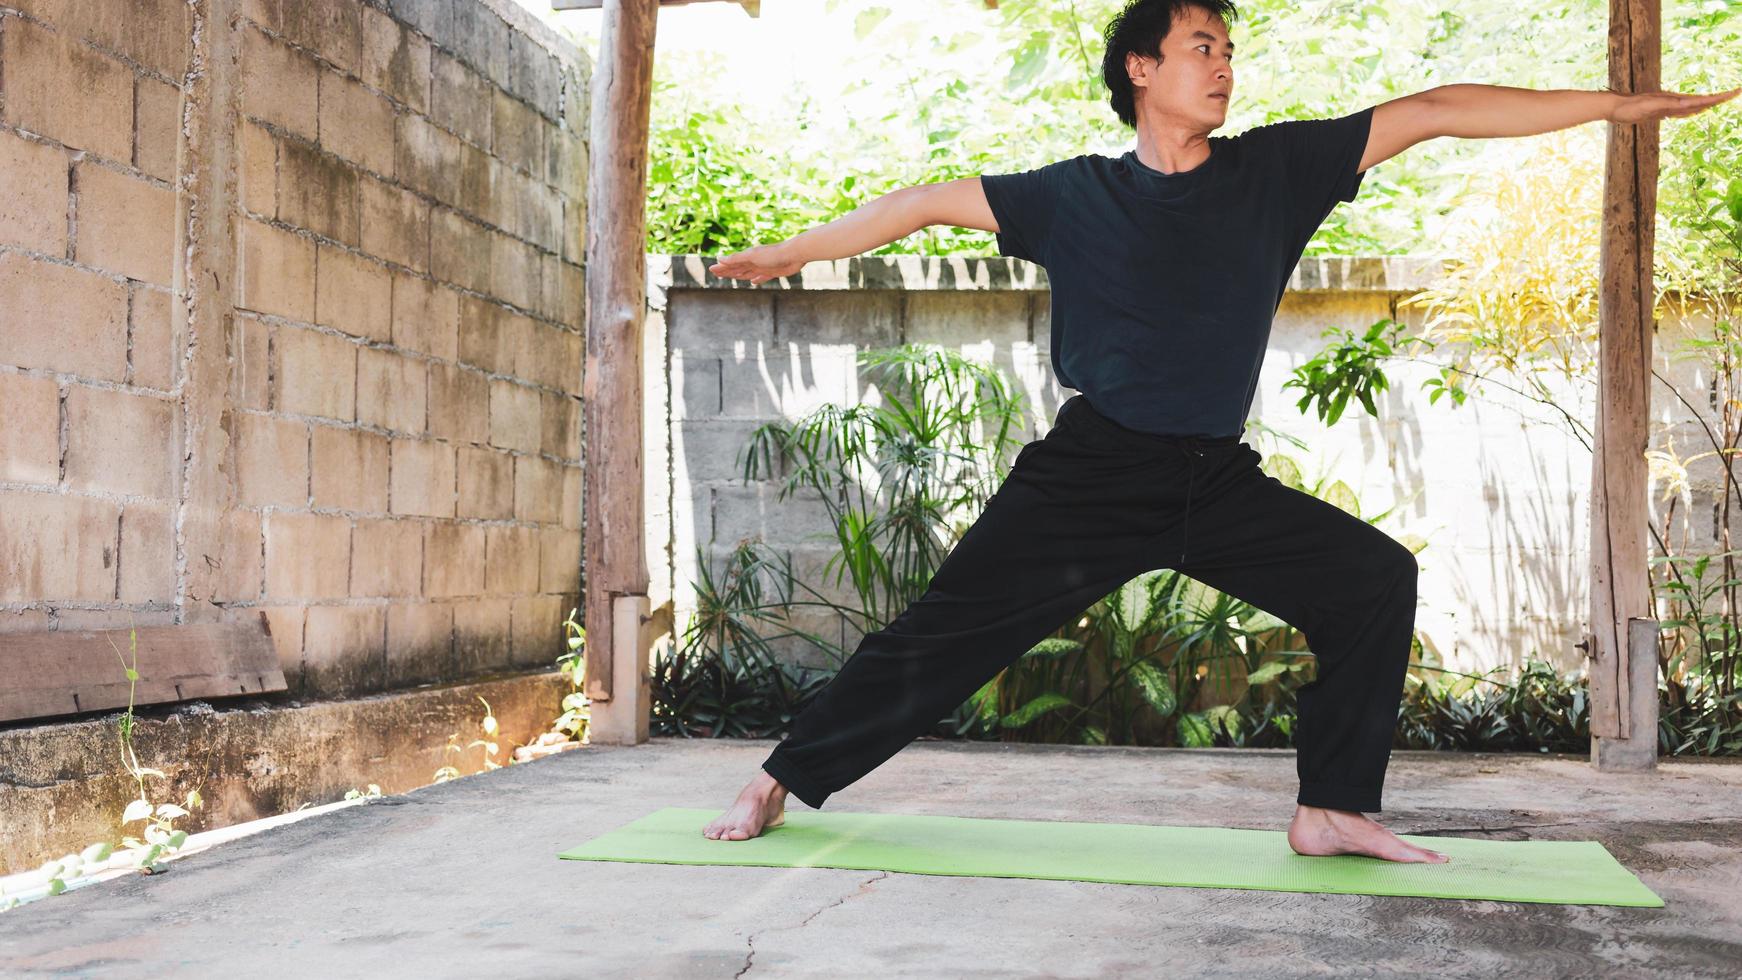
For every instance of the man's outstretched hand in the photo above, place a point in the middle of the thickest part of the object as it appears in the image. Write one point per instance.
(1646, 106)
(759, 264)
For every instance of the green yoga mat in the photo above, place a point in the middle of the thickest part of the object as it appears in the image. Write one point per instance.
(1564, 872)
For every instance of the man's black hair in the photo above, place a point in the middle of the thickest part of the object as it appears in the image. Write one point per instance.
(1139, 29)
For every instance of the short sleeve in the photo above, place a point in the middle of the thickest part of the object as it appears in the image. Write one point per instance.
(1319, 158)
(1023, 204)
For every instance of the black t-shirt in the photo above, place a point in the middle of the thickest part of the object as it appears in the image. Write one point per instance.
(1164, 285)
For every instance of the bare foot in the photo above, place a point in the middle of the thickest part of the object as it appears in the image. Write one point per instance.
(760, 806)
(1316, 832)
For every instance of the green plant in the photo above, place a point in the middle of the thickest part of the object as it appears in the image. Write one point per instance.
(160, 835)
(1139, 656)
(1352, 367)
(1701, 705)
(488, 743)
(722, 677)
(576, 714)
(899, 478)
(1541, 710)
(159, 832)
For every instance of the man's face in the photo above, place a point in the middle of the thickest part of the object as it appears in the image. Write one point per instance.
(1194, 81)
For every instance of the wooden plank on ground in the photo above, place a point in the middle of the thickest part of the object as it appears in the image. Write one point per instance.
(72, 671)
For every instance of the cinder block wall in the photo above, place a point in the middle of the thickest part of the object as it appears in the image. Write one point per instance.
(1501, 496)
(374, 211)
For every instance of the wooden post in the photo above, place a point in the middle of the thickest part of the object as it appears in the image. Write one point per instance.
(1623, 721)
(615, 527)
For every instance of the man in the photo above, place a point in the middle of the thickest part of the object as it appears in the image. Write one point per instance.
(1166, 266)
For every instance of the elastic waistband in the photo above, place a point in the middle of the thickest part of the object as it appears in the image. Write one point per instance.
(1077, 409)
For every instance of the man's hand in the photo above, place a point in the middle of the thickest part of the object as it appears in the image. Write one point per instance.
(759, 264)
(1646, 106)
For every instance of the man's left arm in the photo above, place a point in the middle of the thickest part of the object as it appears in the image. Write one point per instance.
(1483, 111)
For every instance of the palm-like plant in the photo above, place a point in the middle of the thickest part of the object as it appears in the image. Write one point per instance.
(899, 476)
(722, 678)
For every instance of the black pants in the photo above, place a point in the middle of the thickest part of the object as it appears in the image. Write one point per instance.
(1086, 509)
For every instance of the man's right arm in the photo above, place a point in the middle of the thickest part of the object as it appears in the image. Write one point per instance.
(872, 225)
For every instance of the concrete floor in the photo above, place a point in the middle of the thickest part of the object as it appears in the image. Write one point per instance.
(462, 880)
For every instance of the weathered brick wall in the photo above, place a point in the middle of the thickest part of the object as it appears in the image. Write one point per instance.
(1501, 495)
(400, 479)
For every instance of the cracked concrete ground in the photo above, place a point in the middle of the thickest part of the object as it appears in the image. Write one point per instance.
(462, 880)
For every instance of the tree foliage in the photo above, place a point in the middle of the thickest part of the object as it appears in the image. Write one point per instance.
(936, 91)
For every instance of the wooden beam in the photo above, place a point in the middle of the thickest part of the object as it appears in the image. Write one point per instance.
(73, 671)
(616, 273)
(752, 7)
(1624, 722)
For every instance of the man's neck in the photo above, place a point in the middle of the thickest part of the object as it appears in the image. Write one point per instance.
(1171, 147)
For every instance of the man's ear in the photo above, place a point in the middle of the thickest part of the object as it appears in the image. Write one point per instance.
(1136, 67)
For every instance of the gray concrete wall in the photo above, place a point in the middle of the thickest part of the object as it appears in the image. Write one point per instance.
(1501, 498)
